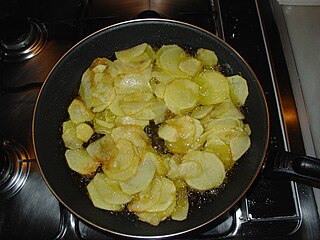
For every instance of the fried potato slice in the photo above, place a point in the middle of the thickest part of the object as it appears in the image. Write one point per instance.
(147, 198)
(226, 109)
(214, 87)
(84, 132)
(78, 112)
(125, 164)
(191, 66)
(130, 54)
(169, 58)
(80, 161)
(207, 57)
(69, 135)
(99, 201)
(141, 179)
(221, 149)
(109, 190)
(239, 144)
(213, 172)
(180, 133)
(238, 90)
(154, 218)
(181, 209)
(103, 149)
(181, 95)
(167, 196)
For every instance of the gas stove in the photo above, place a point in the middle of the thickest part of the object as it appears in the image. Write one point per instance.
(37, 33)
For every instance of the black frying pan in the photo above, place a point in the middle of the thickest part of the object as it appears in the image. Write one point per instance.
(62, 85)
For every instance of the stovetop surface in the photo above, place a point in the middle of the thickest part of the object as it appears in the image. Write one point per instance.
(271, 208)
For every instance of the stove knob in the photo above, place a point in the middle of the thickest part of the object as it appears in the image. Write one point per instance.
(16, 32)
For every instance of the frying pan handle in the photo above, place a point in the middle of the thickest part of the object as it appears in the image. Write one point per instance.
(300, 168)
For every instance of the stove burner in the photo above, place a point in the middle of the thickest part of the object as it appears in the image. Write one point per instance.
(21, 38)
(14, 168)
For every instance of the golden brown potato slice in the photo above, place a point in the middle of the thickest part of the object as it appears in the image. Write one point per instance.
(103, 149)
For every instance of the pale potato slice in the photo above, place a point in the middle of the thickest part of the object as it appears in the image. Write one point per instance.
(169, 59)
(78, 112)
(173, 163)
(178, 133)
(69, 135)
(80, 161)
(131, 82)
(154, 218)
(238, 90)
(189, 169)
(129, 120)
(132, 133)
(96, 89)
(190, 66)
(198, 129)
(135, 101)
(125, 164)
(161, 168)
(167, 196)
(162, 76)
(132, 107)
(147, 198)
(226, 109)
(214, 87)
(181, 95)
(110, 190)
(103, 149)
(99, 200)
(181, 209)
(124, 174)
(102, 91)
(207, 57)
(159, 108)
(145, 114)
(115, 108)
(103, 65)
(102, 126)
(129, 54)
(201, 111)
(223, 124)
(137, 64)
(142, 179)
(239, 144)
(123, 160)
(221, 149)
(213, 170)
(159, 89)
(84, 132)
(169, 133)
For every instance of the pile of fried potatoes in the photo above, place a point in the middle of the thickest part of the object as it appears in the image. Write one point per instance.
(197, 109)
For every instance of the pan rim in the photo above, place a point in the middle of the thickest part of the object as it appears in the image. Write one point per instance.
(230, 206)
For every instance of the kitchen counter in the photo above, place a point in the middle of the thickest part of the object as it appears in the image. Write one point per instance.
(300, 35)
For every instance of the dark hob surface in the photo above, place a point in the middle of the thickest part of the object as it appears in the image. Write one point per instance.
(276, 209)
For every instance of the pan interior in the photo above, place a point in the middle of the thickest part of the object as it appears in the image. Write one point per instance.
(62, 85)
